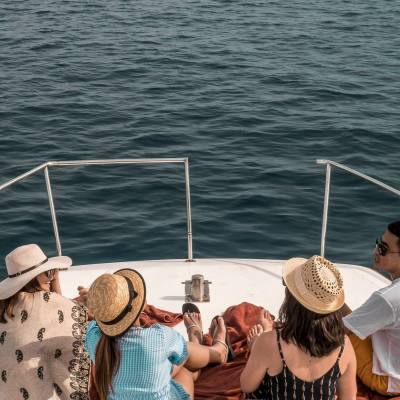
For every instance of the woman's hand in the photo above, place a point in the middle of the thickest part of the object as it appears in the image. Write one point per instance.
(83, 293)
(55, 282)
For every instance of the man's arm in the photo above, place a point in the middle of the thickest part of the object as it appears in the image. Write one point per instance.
(375, 314)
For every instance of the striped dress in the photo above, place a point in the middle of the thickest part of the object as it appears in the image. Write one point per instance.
(147, 358)
(287, 386)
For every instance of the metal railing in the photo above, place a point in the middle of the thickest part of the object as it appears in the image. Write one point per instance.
(46, 166)
(329, 164)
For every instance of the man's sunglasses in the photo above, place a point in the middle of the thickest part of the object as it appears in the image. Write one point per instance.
(383, 248)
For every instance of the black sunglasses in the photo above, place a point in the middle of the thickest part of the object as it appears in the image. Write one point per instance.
(382, 248)
(50, 273)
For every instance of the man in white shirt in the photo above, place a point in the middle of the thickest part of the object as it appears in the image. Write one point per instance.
(375, 326)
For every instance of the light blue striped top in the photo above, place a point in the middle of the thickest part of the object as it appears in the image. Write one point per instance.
(147, 356)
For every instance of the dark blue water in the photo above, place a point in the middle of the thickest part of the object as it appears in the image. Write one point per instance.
(252, 91)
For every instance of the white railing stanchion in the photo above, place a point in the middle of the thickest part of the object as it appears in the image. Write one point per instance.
(326, 207)
(124, 161)
(329, 164)
(52, 210)
(188, 212)
(23, 176)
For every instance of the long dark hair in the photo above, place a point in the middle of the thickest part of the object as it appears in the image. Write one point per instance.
(7, 305)
(317, 334)
(106, 364)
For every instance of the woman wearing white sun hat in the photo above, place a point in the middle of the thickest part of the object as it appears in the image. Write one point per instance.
(41, 332)
(306, 355)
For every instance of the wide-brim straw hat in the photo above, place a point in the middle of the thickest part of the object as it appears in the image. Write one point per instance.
(116, 300)
(316, 283)
(24, 264)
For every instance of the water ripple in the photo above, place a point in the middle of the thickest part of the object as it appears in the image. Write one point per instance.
(252, 91)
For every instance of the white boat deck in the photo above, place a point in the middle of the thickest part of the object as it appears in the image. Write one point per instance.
(233, 281)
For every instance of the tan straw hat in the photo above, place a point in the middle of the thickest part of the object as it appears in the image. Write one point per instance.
(116, 300)
(316, 283)
(24, 264)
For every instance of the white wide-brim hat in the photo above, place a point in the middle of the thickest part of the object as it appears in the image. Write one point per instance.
(24, 264)
(316, 283)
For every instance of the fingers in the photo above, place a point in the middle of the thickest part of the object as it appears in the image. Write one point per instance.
(277, 324)
(256, 330)
(266, 315)
(83, 293)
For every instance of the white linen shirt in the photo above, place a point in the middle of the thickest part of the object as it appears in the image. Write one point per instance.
(379, 317)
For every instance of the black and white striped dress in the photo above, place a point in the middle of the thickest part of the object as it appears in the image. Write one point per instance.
(286, 386)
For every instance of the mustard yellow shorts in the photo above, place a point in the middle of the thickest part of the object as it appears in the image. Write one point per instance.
(363, 350)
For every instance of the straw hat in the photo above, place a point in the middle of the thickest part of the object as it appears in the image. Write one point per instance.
(316, 283)
(25, 263)
(116, 300)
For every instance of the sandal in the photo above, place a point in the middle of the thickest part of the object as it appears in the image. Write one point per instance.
(188, 308)
(230, 355)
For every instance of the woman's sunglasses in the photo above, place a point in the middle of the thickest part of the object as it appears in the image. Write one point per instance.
(50, 273)
(383, 248)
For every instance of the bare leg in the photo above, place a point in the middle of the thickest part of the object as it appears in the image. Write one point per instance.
(185, 378)
(200, 356)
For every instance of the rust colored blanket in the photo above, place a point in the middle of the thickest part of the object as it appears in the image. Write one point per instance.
(222, 382)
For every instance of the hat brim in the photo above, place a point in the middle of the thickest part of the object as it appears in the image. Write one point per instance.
(10, 286)
(137, 304)
(291, 276)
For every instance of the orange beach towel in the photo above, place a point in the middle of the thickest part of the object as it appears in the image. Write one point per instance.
(222, 382)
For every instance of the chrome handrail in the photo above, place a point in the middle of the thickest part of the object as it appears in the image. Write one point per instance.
(329, 164)
(46, 167)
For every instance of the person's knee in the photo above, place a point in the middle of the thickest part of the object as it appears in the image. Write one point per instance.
(376, 383)
(186, 379)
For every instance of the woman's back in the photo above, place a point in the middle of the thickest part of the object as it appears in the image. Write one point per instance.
(301, 363)
(41, 349)
(292, 373)
(147, 356)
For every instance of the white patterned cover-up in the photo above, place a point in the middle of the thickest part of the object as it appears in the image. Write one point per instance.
(42, 352)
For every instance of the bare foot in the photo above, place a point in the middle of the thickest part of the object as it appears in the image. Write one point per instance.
(194, 327)
(218, 332)
(253, 334)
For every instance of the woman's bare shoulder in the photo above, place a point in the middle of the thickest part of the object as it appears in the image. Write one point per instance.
(348, 355)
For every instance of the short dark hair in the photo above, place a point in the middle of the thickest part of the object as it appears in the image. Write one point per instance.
(317, 334)
(394, 227)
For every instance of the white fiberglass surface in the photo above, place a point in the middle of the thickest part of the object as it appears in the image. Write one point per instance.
(233, 281)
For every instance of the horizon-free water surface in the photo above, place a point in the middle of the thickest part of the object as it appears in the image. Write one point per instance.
(251, 91)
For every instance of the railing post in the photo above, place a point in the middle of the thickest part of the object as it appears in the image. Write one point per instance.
(326, 206)
(188, 212)
(52, 210)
